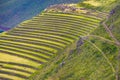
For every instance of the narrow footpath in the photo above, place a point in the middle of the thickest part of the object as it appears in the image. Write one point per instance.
(110, 33)
(118, 44)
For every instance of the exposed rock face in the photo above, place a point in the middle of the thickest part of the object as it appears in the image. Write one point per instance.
(112, 12)
(80, 42)
(115, 10)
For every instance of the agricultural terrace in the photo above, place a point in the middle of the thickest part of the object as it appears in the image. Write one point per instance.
(34, 42)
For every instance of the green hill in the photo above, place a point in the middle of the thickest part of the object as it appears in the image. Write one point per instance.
(96, 59)
(76, 42)
(36, 41)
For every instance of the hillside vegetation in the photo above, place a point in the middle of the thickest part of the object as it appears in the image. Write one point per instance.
(34, 42)
(98, 58)
(65, 42)
(100, 5)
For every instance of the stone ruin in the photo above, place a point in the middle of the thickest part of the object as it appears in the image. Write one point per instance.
(66, 8)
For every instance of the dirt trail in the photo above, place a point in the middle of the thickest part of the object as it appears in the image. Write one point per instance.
(110, 33)
(102, 38)
(118, 43)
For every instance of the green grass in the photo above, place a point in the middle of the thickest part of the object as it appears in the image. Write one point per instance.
(39, 40)
(100, 5)
(89, 64)
(97, 58)
(114, 21)
(35, 49)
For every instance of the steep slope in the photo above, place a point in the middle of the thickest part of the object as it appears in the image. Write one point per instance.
(98, 58)
(113, 22)
(72, 45)
(25, 48)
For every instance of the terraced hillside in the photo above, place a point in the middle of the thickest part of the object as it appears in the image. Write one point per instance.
(97, 57)
(36, 41)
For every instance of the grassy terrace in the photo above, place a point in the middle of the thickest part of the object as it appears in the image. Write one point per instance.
(34, 42)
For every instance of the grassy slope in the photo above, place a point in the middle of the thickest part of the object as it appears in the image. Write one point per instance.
(96, 59)
(26, 46)
(114, 22)
(101, 5)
